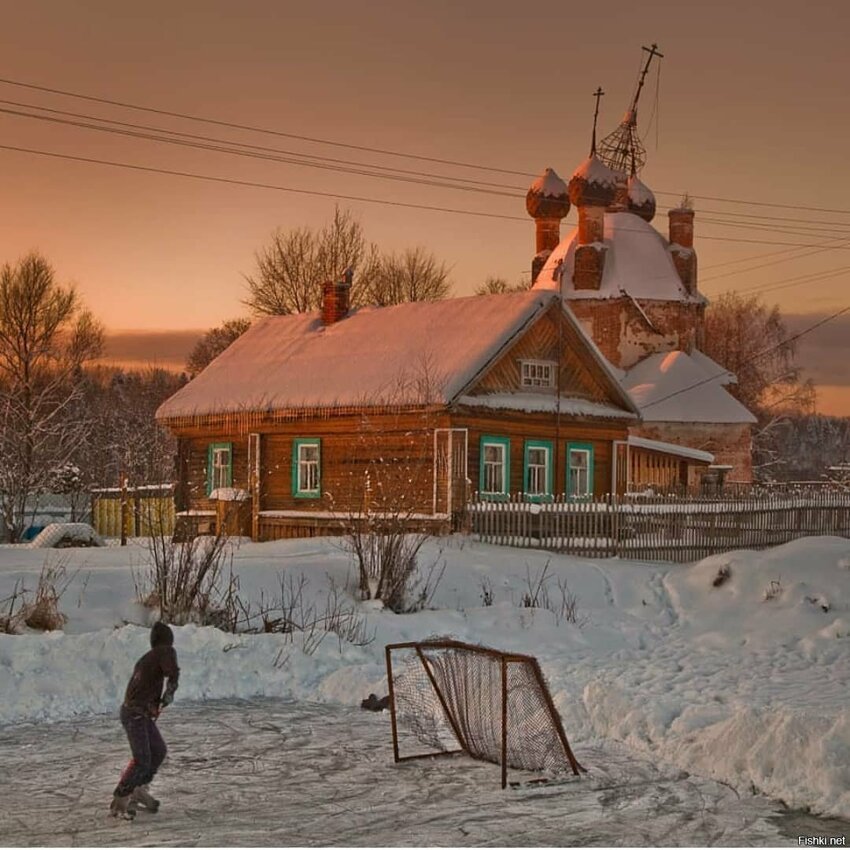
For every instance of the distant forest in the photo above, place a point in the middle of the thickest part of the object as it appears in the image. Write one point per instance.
(802, 447)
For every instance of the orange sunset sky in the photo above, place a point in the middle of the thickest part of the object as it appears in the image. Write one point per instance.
(751, 105)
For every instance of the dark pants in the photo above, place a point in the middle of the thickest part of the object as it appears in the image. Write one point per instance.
(147, 747)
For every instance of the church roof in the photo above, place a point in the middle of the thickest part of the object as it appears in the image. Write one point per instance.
(674, 386)
(637, 261)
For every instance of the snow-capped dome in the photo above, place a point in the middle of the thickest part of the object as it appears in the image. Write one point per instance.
(593, 183)
(637, 263)
(547, 197)
(641, 201)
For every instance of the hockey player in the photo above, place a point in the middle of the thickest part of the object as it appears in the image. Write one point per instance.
(143, 701)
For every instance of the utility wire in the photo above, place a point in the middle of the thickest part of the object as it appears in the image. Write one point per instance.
(345, 197)
(757, 356)
(366, 148)
(253, 129)
(253, 184)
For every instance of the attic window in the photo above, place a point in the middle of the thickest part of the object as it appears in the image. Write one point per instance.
(537, 374)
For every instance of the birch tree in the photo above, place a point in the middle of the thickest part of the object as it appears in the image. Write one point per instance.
(46, 336)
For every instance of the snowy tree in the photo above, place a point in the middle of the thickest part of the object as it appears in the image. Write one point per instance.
(213, 343)
(45, 338)
(750, 339)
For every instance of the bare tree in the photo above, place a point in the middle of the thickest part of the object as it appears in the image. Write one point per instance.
(45, 338)
(499, 286)
(213, 343)
(293, 267)
(750, 339)
(413, 275)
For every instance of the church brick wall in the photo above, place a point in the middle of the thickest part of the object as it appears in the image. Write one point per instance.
(623, 334)
(731, 444)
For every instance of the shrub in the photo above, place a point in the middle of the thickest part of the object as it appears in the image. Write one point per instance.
(186, 582)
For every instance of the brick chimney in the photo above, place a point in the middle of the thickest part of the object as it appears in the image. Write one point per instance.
(336, 297)
(682, 246)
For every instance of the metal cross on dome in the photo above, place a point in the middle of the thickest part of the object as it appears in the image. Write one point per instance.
(622, 150)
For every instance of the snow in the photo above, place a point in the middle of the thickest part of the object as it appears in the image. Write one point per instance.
(671, 449)
(639, 192)
(593, 170)
(549, 184)
(229, 494)
(372, 356)
(675, 387)
(637, 261)
(717, 681)
(56, 532)
(544, 403)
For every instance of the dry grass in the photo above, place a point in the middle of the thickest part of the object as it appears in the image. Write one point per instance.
(42, 612)
(12, 610)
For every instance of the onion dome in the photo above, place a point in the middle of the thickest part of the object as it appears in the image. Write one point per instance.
(547, 197)
(593, 184)
(641, 201)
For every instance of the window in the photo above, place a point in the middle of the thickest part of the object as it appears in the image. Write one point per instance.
(579, 469)
(219, 466)
(537, 373)
(306, 469)
(494, 477)
(538, 469)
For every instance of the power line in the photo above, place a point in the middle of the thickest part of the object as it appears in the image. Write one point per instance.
(308, 159)
(340, 196)
(366, 148)
(212, 144)
(757, 356)
(253, 184)
(254, 129)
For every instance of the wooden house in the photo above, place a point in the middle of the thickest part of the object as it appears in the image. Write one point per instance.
(314, 417)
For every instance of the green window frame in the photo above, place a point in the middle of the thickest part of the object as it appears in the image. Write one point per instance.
(537, 477)
(307, 468)
(219, 466)
(579, 476)
(494, 467)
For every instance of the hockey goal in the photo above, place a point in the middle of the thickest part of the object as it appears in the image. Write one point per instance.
(460, 697)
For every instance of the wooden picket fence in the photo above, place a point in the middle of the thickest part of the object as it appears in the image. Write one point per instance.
(661, 528)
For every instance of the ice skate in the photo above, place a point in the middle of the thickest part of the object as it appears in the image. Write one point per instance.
(142, 796)
(123, 807)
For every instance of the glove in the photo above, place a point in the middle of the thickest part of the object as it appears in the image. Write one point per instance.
(167, 697)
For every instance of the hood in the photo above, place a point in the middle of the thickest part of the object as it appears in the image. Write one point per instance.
(161, 635)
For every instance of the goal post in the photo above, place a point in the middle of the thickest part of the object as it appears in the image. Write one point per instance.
(494, 706)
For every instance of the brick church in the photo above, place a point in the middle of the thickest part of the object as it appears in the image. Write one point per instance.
(635, 292)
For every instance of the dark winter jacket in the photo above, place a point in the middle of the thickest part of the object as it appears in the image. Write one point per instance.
(144, 691)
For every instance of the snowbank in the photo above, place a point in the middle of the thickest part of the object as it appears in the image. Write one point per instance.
(744, 680)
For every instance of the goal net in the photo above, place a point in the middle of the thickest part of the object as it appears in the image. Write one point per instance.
(459, 697)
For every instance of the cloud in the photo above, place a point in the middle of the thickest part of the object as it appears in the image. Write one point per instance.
(140, 349)
(824, 353)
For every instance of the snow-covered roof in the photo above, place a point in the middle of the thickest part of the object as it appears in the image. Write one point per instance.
(549, 184)
(593, 170)
(540, 403)
(637, 261)
(671, 449)
(372, 356)
(673, 386)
